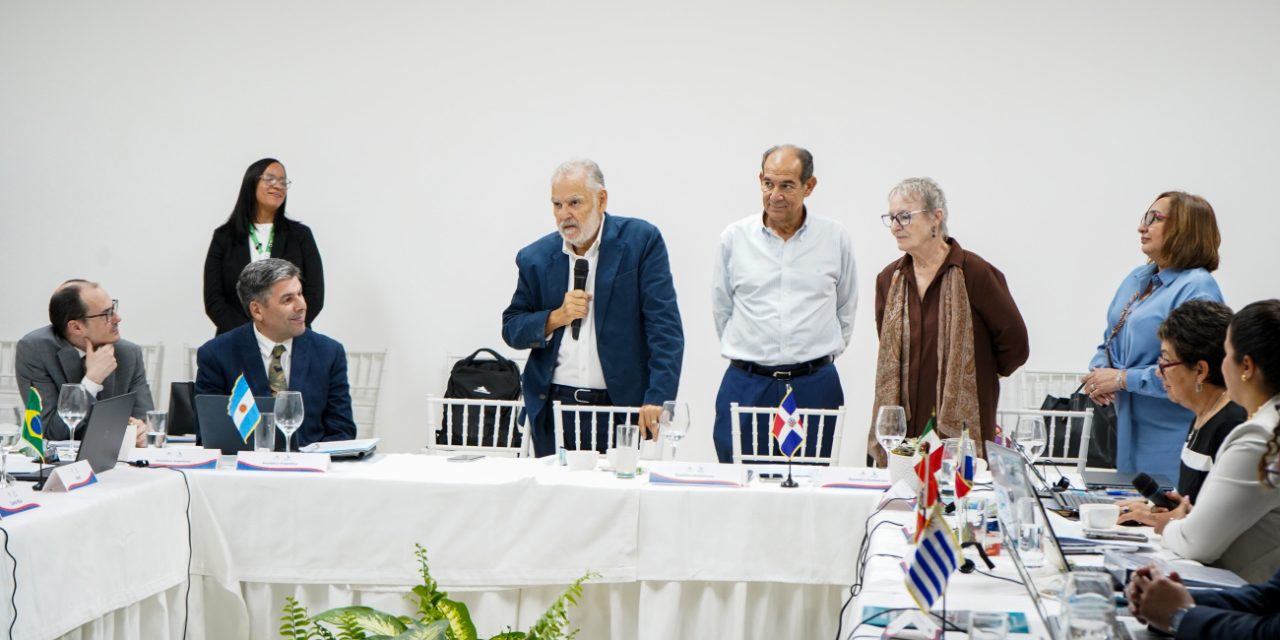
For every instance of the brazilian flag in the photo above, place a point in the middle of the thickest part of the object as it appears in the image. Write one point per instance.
(33, 430)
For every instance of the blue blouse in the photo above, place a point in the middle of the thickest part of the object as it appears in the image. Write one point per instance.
(1150, 429)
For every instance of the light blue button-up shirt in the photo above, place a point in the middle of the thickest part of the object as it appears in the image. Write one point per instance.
(780, 302)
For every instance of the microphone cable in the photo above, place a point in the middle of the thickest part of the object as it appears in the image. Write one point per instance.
(863, 548)
(13, 595)
(186, 601)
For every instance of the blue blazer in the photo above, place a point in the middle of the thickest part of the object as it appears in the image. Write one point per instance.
(637, 322)
(1150, 428)
(318, 369)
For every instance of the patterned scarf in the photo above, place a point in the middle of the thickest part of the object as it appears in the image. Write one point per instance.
(957, 382)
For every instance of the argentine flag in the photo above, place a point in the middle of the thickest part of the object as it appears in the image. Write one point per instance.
(243, 409)
(788, 429)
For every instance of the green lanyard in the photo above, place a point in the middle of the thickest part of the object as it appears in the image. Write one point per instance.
(257, 244)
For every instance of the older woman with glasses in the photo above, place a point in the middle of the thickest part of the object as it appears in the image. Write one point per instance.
(1235, 521)
(1179, 236)
(949, 327)
(1191, 352)
(258, 229)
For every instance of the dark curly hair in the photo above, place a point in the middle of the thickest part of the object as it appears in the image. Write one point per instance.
(1197, 330)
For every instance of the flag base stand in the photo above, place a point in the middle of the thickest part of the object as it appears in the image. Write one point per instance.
(924, 626)
(790, 482)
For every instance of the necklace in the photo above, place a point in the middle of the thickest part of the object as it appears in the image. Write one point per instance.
(1203, 416)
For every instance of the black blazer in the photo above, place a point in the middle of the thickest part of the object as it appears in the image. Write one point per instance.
(228, 256)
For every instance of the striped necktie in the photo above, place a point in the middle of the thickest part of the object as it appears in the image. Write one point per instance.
(275, 373)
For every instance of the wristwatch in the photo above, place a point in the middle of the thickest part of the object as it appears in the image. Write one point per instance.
(1175, 620)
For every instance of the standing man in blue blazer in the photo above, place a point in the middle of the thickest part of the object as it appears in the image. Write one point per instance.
(277, 351)
(614, 340)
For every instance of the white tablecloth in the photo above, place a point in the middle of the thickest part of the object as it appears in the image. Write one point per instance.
(109, 546)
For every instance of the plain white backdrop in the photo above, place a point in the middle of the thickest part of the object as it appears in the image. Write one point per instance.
(421, 136)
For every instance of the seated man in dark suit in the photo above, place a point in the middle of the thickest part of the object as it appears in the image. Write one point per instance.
(276, 351)
(81, 344)
(1251, 611)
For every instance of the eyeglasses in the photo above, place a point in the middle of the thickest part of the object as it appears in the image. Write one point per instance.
(903, 218)
(108, 314)
(1163, 364)
(1151, 217)
(273, 181)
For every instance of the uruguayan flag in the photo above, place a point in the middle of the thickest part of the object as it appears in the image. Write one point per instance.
(936, 557)
(243, 409)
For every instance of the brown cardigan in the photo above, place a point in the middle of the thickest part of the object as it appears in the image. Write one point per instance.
(999, 334)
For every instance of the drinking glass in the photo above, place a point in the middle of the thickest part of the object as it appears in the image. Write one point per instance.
(988, 625)
(1030, 532)
(674, 422)
(891, 427)
(10, 436)
(946, 472)
(73, 404)
(627, 451)
(289, 414)
(156, 425)
(1088, 606)
(264, 437)
(1030, 435)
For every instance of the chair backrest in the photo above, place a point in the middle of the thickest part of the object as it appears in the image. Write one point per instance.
(1062, 429)
(364, 374)
(458, 416)
(1027, 389)
(191, 361)
(8, 374)
(153, 360)
(585, 426)
(763, 447)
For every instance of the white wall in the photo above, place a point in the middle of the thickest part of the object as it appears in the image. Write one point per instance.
(420, 136)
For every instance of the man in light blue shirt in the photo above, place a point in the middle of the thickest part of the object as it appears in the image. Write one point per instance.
(783, 296)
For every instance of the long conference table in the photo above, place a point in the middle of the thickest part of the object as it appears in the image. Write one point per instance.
(503, 535)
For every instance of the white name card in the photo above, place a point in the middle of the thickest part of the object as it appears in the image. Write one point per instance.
(279, 461)
(698, 474)
(77, 475)
(178, 457)
(854, 478)
(11, 503)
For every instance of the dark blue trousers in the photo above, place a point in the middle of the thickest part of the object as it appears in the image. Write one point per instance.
(818, 390)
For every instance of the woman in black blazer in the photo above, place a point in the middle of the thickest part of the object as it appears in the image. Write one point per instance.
(258, 229)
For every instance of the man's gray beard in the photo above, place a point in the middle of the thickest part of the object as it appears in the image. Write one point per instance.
(583, 236)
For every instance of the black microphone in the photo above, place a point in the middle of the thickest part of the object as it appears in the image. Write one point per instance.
(1147, 486)
(580, 267)
(968, 565)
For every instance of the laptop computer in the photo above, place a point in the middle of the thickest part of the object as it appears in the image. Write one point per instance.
(216, 429)
(1119, 480)
(103, 437)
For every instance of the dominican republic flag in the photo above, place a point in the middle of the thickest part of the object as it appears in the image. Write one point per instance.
(243, 409)
(936, 557)
(788, 428)
(964, 465)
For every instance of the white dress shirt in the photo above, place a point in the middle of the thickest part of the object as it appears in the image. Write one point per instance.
(263, 230)
(266, 346)
(780, 302)
(578, 362)
(89, 385)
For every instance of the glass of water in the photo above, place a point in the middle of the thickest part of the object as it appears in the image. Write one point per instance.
(988, 625)
(10, 436)
(1088, 606)
(289, 413)
(1030, 435)
(947, 470)
(156, 425)
(674, 422)
(891, 427)
(1030, 533)
(264, 436)
(73, 404)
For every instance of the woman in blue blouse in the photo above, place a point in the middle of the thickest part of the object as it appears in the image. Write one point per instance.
(1179, 236)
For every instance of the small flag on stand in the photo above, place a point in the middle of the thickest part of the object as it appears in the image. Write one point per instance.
(243, 409)
(964, 465)
(32, 427)
(788, 428)
(929, 442)
(936, 557)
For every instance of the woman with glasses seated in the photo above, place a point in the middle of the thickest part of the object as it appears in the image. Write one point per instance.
(258, 229)
(948, 326)
(1179, 235)
(1235, 522)
(1190, 366)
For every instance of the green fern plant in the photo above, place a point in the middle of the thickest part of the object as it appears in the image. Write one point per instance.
(439, 618)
